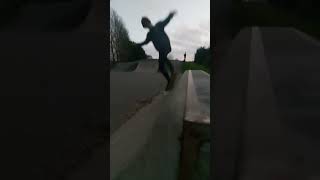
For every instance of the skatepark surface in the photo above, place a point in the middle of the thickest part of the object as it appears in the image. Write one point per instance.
(129, 91)
(145, 125)
(133, 88)
(153, 134)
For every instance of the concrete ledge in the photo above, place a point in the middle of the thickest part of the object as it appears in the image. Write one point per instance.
(128, 141)
(196, 125)
(197, 114)
(194, 110)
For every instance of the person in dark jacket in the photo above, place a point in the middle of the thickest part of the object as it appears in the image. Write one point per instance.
(161, 43)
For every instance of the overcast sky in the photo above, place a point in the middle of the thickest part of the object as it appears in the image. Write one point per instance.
(188, 30)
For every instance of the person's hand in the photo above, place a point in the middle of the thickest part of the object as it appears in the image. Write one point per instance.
(172, 13)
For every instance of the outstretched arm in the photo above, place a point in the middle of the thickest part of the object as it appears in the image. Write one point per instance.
(168, 19)
(145, 41)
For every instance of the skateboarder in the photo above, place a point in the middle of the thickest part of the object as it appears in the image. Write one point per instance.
(185, 55)
(161, 43)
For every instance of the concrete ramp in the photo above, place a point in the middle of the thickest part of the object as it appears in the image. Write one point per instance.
(147, 66)
(129, 91)
(152, 65)
(147, 146)
(125, 67)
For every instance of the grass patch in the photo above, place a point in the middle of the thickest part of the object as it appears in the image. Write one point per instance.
(263, 14)
(194, 66)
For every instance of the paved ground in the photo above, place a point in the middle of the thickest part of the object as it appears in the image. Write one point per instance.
(159, 158)
(130, 98)
(125, 67)
(130, 91)
(147, 66)
(151, 137)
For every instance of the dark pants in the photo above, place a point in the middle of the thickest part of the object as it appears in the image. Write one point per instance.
(163, 61)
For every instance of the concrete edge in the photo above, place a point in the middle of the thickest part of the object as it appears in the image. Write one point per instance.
(122, 150)
(193, 111)
(196, 132)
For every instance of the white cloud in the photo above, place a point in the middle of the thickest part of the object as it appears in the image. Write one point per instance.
(188, 30)
(185, 38)
(188, 39)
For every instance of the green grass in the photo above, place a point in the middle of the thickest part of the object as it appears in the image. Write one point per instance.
(260, 14)
(194, 66)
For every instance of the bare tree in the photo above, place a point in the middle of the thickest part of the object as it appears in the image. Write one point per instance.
(112, 37)
(121, 48)
(119, 38)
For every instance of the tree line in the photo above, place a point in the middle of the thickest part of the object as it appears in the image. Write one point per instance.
(203, 56)
(121, 47)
